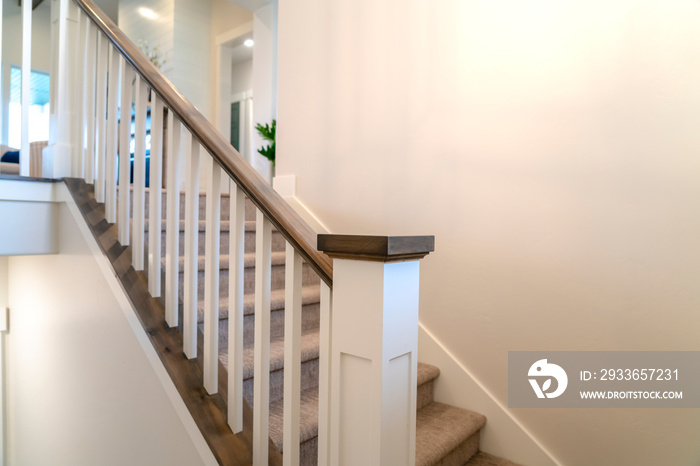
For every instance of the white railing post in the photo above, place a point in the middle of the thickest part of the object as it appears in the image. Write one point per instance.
(211, 279)
(123, 222)
(292, 356)
(172, 227)
(235, 311)
(140, 106)
(155, 199)
(324, 375)
(189, 304)
(112, 139)
(374, 347)
(57, 157)
(101, 115)
(261, 383)
(25, 91)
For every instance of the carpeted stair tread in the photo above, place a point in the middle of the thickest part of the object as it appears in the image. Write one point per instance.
(310, 294)
(484, 459)
(426, 373)
(308, 424)
(277, 257)
(441, 428)
(309, 351)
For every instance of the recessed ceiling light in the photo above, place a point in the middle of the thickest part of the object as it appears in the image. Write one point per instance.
(147, 13)
(248, 42)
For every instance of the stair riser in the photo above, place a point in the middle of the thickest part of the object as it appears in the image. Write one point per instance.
(278, 242)
(310, 319)
(462, 453)
(225, 207)
(277, 280)
(425, 394)
(309, 379)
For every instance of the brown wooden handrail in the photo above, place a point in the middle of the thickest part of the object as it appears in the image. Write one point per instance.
(281, 215)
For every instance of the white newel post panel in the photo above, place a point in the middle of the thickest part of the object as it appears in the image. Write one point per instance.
(57, 156)
(374, 344)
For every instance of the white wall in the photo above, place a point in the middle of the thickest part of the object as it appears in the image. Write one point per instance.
(264, 80)
(12, 48)
(241, 76)
(549, 146)
(80, 388)
(158, 32)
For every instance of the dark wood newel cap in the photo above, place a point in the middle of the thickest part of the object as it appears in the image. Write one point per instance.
(376, 248)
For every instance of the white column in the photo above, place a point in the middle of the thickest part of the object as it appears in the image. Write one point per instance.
(123, 221)
(56, 160)
(374, 334)
(139, 209)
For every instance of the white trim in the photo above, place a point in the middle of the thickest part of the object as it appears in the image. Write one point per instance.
(130, 314)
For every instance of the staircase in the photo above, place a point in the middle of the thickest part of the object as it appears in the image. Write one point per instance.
(445, 435)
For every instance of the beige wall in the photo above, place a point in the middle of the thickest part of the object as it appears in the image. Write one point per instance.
(552, 149)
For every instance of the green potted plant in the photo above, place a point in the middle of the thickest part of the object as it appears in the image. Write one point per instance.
(268, 133)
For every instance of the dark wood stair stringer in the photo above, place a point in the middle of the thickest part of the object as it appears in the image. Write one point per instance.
(208, 411)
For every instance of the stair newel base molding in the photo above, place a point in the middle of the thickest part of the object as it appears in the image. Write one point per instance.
(374, 344)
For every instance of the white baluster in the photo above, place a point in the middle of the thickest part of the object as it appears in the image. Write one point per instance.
(125, 155)
(155, 209)
(235, 310)
(89, 100)
(78, 168)
(26, 83)
(191, 250)
(324, 376)
(172, 227)
(292, 356)
(100, 111)
(111, 137)
(261, 384)
(211, 280)
(140, 106)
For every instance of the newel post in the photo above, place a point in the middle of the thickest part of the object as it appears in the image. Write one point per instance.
(58, 155)
(374, 344)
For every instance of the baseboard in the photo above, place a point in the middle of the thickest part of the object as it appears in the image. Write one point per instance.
(286, 185)
(503, 434)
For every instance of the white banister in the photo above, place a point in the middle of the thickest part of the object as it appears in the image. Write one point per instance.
(89, 100)
(324, 374)
(189, 305)
(125, 155)
(155, 199)
(261, 383)
(292, 356)
(211, 280)
(374, 334)
(140, 108)
(236, 264)
(26, 86)
(172, 226)
(113, 88)
(101, 116)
